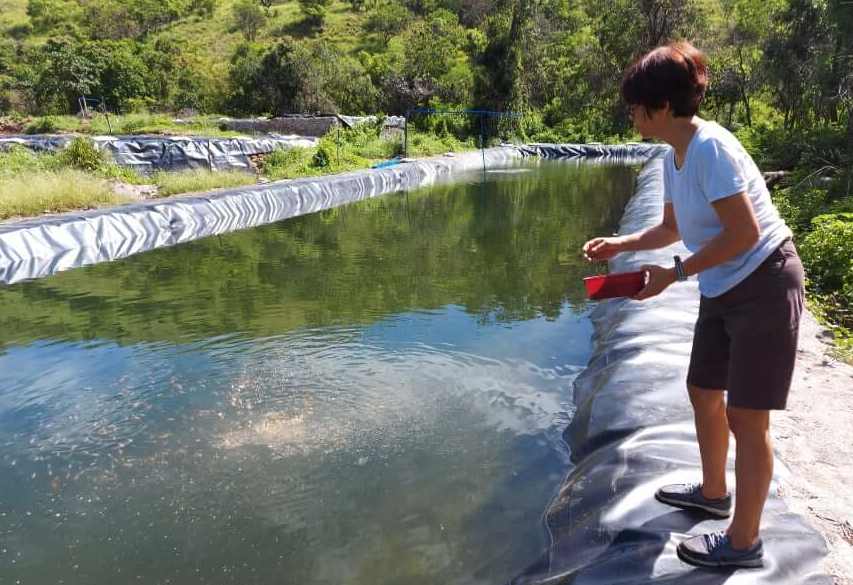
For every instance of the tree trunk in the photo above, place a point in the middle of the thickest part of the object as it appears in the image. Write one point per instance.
(745, 99)
(742, 86)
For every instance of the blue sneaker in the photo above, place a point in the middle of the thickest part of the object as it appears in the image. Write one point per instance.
(689, 495)
(715, 550)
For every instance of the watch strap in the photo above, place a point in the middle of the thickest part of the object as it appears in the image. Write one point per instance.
(680, 275)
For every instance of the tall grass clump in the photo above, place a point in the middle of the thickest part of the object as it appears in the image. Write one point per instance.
(45, 125)
(191, 181)
(82, 154)
(425, 144)
(32, 194)
(288, 163)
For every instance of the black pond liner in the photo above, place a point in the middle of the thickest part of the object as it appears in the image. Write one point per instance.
(146, 154)
(633, 431)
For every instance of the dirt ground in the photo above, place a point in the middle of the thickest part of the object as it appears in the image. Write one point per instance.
(814, 438)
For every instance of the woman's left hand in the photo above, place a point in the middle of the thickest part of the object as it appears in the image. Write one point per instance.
(659, 279)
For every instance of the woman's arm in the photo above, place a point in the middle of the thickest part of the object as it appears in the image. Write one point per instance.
(659, 236)
(740, 232)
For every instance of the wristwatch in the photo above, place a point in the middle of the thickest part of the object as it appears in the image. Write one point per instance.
(680, 275)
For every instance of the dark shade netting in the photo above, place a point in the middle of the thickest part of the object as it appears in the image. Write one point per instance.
(633, 432)
(145, 154)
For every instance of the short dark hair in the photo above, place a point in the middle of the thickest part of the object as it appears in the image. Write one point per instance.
(675, 73)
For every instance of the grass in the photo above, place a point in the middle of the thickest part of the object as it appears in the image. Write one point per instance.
(351, 150)
(218, 36)
(32, 194)
(199, 180)
(18, 160)
(13, 12)
(129, 124)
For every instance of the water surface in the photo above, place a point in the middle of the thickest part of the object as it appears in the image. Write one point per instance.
(371, 394)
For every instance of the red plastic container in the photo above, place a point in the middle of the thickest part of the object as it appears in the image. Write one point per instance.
(623, 284)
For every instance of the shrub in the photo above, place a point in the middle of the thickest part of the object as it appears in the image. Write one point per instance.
(322, 157)
(314, 10)
(17, 160)
(828, 255)
(287, 163)
(82, 154)
(121, 173)
(44, 125)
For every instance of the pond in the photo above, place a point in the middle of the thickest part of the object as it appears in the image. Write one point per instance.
(373, 394)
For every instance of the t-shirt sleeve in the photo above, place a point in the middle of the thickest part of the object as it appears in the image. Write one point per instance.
(667, 179)
(721, 172)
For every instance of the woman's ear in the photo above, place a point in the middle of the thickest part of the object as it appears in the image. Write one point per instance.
(664, 111)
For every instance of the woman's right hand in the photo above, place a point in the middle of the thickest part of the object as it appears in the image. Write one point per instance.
(600, 249)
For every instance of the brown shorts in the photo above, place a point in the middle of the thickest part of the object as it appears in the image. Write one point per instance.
(746, 339)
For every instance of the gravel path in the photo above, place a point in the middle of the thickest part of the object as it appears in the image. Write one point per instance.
(814, 438)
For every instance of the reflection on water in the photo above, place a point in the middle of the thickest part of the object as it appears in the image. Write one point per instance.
(372, 394)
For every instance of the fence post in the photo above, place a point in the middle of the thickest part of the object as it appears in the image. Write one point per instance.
(483, 142)
(406, 133)
(106, 115)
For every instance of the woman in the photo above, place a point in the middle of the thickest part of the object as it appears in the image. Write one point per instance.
(751, 285)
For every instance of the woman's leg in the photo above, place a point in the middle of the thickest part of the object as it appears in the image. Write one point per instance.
(712, 430)
(753, 472)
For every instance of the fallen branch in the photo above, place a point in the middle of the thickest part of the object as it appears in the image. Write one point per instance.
(771, 178)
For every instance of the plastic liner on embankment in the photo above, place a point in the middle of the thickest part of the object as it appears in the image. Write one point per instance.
(633, 432)
(46, 245)
(145, 154)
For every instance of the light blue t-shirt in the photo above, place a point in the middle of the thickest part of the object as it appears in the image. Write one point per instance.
(717, 166)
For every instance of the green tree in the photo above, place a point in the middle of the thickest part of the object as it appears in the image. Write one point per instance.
(121, 72)
(249, 18)
(434, 57)
(64, 74)
(244, 96)
(314, 10)
(839, 82)
(151, 15)
(346, 85)
(736, 65)
(181, 74)
(119, 19)
(794, 55)
(387, 20)
(502, 79)
(203, 7)
(279, 78)
(107, 20)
